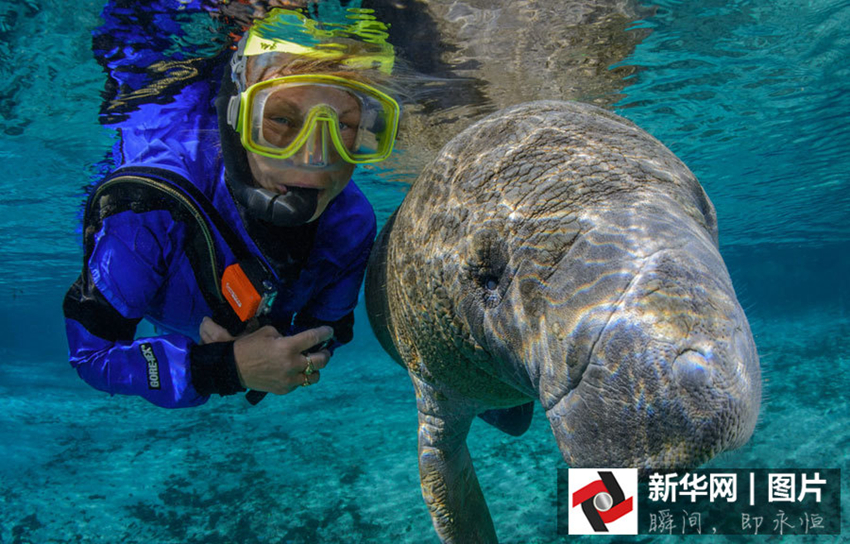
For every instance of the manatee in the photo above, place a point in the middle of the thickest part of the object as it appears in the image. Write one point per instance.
(556, 252)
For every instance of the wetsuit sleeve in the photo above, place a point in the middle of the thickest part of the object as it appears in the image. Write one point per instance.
(127, 267)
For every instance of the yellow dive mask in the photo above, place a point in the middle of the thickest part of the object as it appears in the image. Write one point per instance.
(314, 120)
(319, 118)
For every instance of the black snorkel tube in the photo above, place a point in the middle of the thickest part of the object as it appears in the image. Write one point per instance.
(294, 208)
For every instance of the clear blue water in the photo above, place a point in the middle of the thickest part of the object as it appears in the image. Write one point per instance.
(752, 95)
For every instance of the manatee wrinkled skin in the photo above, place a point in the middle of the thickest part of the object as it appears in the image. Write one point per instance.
(555, 251)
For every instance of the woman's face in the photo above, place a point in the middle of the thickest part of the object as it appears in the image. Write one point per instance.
(283, 114)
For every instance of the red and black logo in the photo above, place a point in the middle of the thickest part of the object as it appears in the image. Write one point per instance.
(602, 501)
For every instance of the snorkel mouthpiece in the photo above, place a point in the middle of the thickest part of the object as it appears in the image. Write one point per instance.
(296, 207)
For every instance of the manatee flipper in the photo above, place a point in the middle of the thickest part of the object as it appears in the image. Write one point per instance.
(513, 421)
(449, 485)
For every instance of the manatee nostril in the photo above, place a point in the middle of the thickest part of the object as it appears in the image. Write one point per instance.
(690, 369)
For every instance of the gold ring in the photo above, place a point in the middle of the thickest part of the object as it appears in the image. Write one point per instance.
(309, 370)
(306, 382)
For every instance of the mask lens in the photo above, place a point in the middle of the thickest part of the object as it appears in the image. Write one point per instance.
(286, 114)
(277, 122)
(372, 127)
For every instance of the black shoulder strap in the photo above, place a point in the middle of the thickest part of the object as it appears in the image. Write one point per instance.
(236, 244)
(142, 189)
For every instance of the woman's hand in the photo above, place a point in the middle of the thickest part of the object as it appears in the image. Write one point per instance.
(268, 361)
(211, 332)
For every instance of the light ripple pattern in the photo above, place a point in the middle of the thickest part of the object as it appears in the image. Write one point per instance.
(752, 95)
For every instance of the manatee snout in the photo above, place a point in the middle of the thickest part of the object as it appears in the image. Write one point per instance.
(673, 378)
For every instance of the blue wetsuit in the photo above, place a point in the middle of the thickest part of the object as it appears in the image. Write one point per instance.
(139, 268)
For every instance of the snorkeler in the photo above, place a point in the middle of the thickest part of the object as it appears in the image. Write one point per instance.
(265, 182)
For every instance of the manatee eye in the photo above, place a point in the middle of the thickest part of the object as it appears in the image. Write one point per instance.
(486, 265)
(489, 285)
(484, 277)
